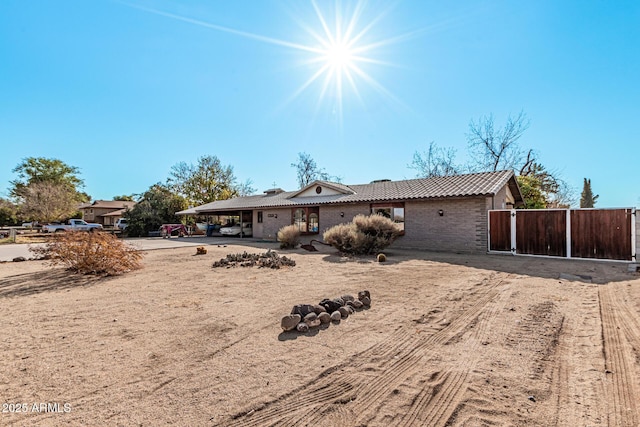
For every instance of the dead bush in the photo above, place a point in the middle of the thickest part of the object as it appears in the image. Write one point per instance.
(364, 235)
(289, 237)
(90, 253)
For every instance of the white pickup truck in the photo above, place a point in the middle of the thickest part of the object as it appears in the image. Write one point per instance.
(73, 225)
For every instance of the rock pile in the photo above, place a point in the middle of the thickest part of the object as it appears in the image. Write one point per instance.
(268, 259)
(306, 316)
(200, 250)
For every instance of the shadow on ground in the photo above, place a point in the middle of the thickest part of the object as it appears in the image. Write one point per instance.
(45, 281)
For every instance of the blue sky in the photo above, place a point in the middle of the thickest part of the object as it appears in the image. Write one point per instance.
(124, 90)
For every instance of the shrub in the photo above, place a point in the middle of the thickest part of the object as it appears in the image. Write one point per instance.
(289, 237)
(364, 235)
(90, 253)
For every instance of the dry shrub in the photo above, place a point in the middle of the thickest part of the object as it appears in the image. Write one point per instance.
(364, 235)
(289, 237)
(90, 253)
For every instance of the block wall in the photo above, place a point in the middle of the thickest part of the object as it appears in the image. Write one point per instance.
(461, 228)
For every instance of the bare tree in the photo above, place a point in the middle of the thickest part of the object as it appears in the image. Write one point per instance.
(48, 201)
(497, 149)
(564, 197)
(435, 161)
(308, 171)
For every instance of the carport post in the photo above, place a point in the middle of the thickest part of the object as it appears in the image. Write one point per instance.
(241, 233)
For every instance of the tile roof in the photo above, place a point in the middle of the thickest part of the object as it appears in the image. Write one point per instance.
(108, 204)
(469, 185)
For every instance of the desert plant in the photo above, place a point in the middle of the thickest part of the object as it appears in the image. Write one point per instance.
(364, 235)
(268, 259)
(289, 237)
(90, 253)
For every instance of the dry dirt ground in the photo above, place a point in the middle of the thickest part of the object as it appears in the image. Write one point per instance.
(450, 340)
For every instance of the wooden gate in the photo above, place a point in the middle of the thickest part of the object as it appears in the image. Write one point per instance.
(577, 233)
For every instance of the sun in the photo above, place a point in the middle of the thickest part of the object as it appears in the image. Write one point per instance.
(339, 56)
(339, 52)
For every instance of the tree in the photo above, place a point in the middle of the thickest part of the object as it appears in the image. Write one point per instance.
(47, 189)
(587, 200)
(436, 161)
(206, 182)
(40, 169)
(124, 198)
(308, 171)
(531, 189)
(157, 206)
(8, 213)
(48, 201)
(497, 149)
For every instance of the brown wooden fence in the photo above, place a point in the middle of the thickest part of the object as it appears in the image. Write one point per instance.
(576, 233)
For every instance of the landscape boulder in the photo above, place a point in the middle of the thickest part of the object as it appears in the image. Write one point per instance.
(302, 309)
(330, 305)
(290, 322)
(324, 317)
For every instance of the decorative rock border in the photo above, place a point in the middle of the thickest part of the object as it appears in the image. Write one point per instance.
(306, 316)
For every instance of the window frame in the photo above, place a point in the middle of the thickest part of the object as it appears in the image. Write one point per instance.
(391, 206)
(308, 211)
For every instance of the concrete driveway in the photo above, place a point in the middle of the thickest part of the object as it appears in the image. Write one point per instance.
(10, 251)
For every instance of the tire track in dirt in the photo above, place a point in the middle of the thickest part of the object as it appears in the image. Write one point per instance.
(577, 388)
(435, 407)
(387, 366)
(621, 333)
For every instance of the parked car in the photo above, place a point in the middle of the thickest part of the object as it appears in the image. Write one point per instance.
(74, 224)
(234, 230)
(121, 224)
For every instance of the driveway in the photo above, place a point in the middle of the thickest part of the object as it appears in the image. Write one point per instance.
(10, 251)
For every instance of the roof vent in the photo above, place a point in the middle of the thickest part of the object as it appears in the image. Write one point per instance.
(380, 180)
(272, 191)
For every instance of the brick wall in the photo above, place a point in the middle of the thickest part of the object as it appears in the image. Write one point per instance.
(330, 215)
(461, 228)
(272, 221)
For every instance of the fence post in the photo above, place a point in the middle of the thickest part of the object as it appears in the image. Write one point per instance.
(568, 233)
(634, 242)
(513, 232)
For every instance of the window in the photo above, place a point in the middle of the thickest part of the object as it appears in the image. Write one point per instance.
(307, 219)
(259, 217)
(313, 222)
(393, 211)
(300, 219)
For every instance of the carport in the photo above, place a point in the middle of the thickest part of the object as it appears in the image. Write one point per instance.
(222, 217)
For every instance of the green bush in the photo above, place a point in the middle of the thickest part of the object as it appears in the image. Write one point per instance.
(364, 235)
(289, 237)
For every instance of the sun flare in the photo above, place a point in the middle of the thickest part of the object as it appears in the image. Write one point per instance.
(340, 57)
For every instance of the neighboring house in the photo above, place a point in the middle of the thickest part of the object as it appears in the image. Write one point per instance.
(105, 212)
(441, 213)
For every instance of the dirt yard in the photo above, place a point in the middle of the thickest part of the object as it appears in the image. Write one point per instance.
(449, 340)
